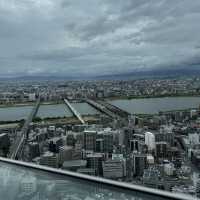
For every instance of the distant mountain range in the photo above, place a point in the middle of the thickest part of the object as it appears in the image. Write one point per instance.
(153, 74)
(167, 73)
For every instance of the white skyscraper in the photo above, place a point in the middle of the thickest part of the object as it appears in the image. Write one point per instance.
(150, 141)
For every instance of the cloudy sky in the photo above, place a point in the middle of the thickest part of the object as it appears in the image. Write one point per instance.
(97, 37)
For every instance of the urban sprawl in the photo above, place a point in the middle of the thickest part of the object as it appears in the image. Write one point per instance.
(160, 150)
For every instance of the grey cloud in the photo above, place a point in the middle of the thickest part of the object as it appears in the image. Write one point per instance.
(97, 37)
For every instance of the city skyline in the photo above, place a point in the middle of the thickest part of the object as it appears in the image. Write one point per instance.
(143, 132)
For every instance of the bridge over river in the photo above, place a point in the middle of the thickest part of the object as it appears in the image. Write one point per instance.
(17, 148)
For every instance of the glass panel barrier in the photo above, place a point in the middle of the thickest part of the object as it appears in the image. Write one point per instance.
(22, 182)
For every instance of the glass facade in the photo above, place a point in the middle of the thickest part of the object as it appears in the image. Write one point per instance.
(25, 183)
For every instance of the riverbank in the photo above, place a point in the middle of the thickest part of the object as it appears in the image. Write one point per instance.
(16, 105)
(9, 105)
(66, 120)
(147, 97)
(143, 115)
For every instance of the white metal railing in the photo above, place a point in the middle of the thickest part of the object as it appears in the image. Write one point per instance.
(122, 185)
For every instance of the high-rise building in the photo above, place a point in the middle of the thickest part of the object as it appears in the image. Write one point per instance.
(134, 145)
(105, 140)
(94, 161)
(99, 145)
(165, 135)
(150, 141)
(90, 140)
(161, 149)
(108, 142)
(127, 136)
(139, 164)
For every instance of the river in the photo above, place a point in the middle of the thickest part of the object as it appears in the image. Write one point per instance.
(154, 105)
(134, 106)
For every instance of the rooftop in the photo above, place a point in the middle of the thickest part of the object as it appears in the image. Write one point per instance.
(75, 163)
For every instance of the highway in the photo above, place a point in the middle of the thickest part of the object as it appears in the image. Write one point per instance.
(114, 109)
(102, 108)
(17, 148)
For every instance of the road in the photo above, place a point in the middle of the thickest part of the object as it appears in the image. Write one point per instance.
(17, 148)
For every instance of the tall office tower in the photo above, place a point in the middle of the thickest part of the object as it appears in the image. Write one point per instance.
(165, 135)
(108, 142)
(125, 136)
(150, 141)
(105, 138)
(99, 145)
(90, 140)
(161, 149)
(134, 145)
(65, 154)
(94, 161)
(49, 159)
(139, 164)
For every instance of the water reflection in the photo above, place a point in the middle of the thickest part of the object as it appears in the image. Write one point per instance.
(14, 113)
(154, 105)
(19, 183)
(57, 110)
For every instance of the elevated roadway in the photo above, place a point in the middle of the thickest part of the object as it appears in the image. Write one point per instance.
(17, 147)
(114, 109)
(101, 108)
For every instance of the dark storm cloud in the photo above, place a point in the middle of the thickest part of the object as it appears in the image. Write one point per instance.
(97, 37)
